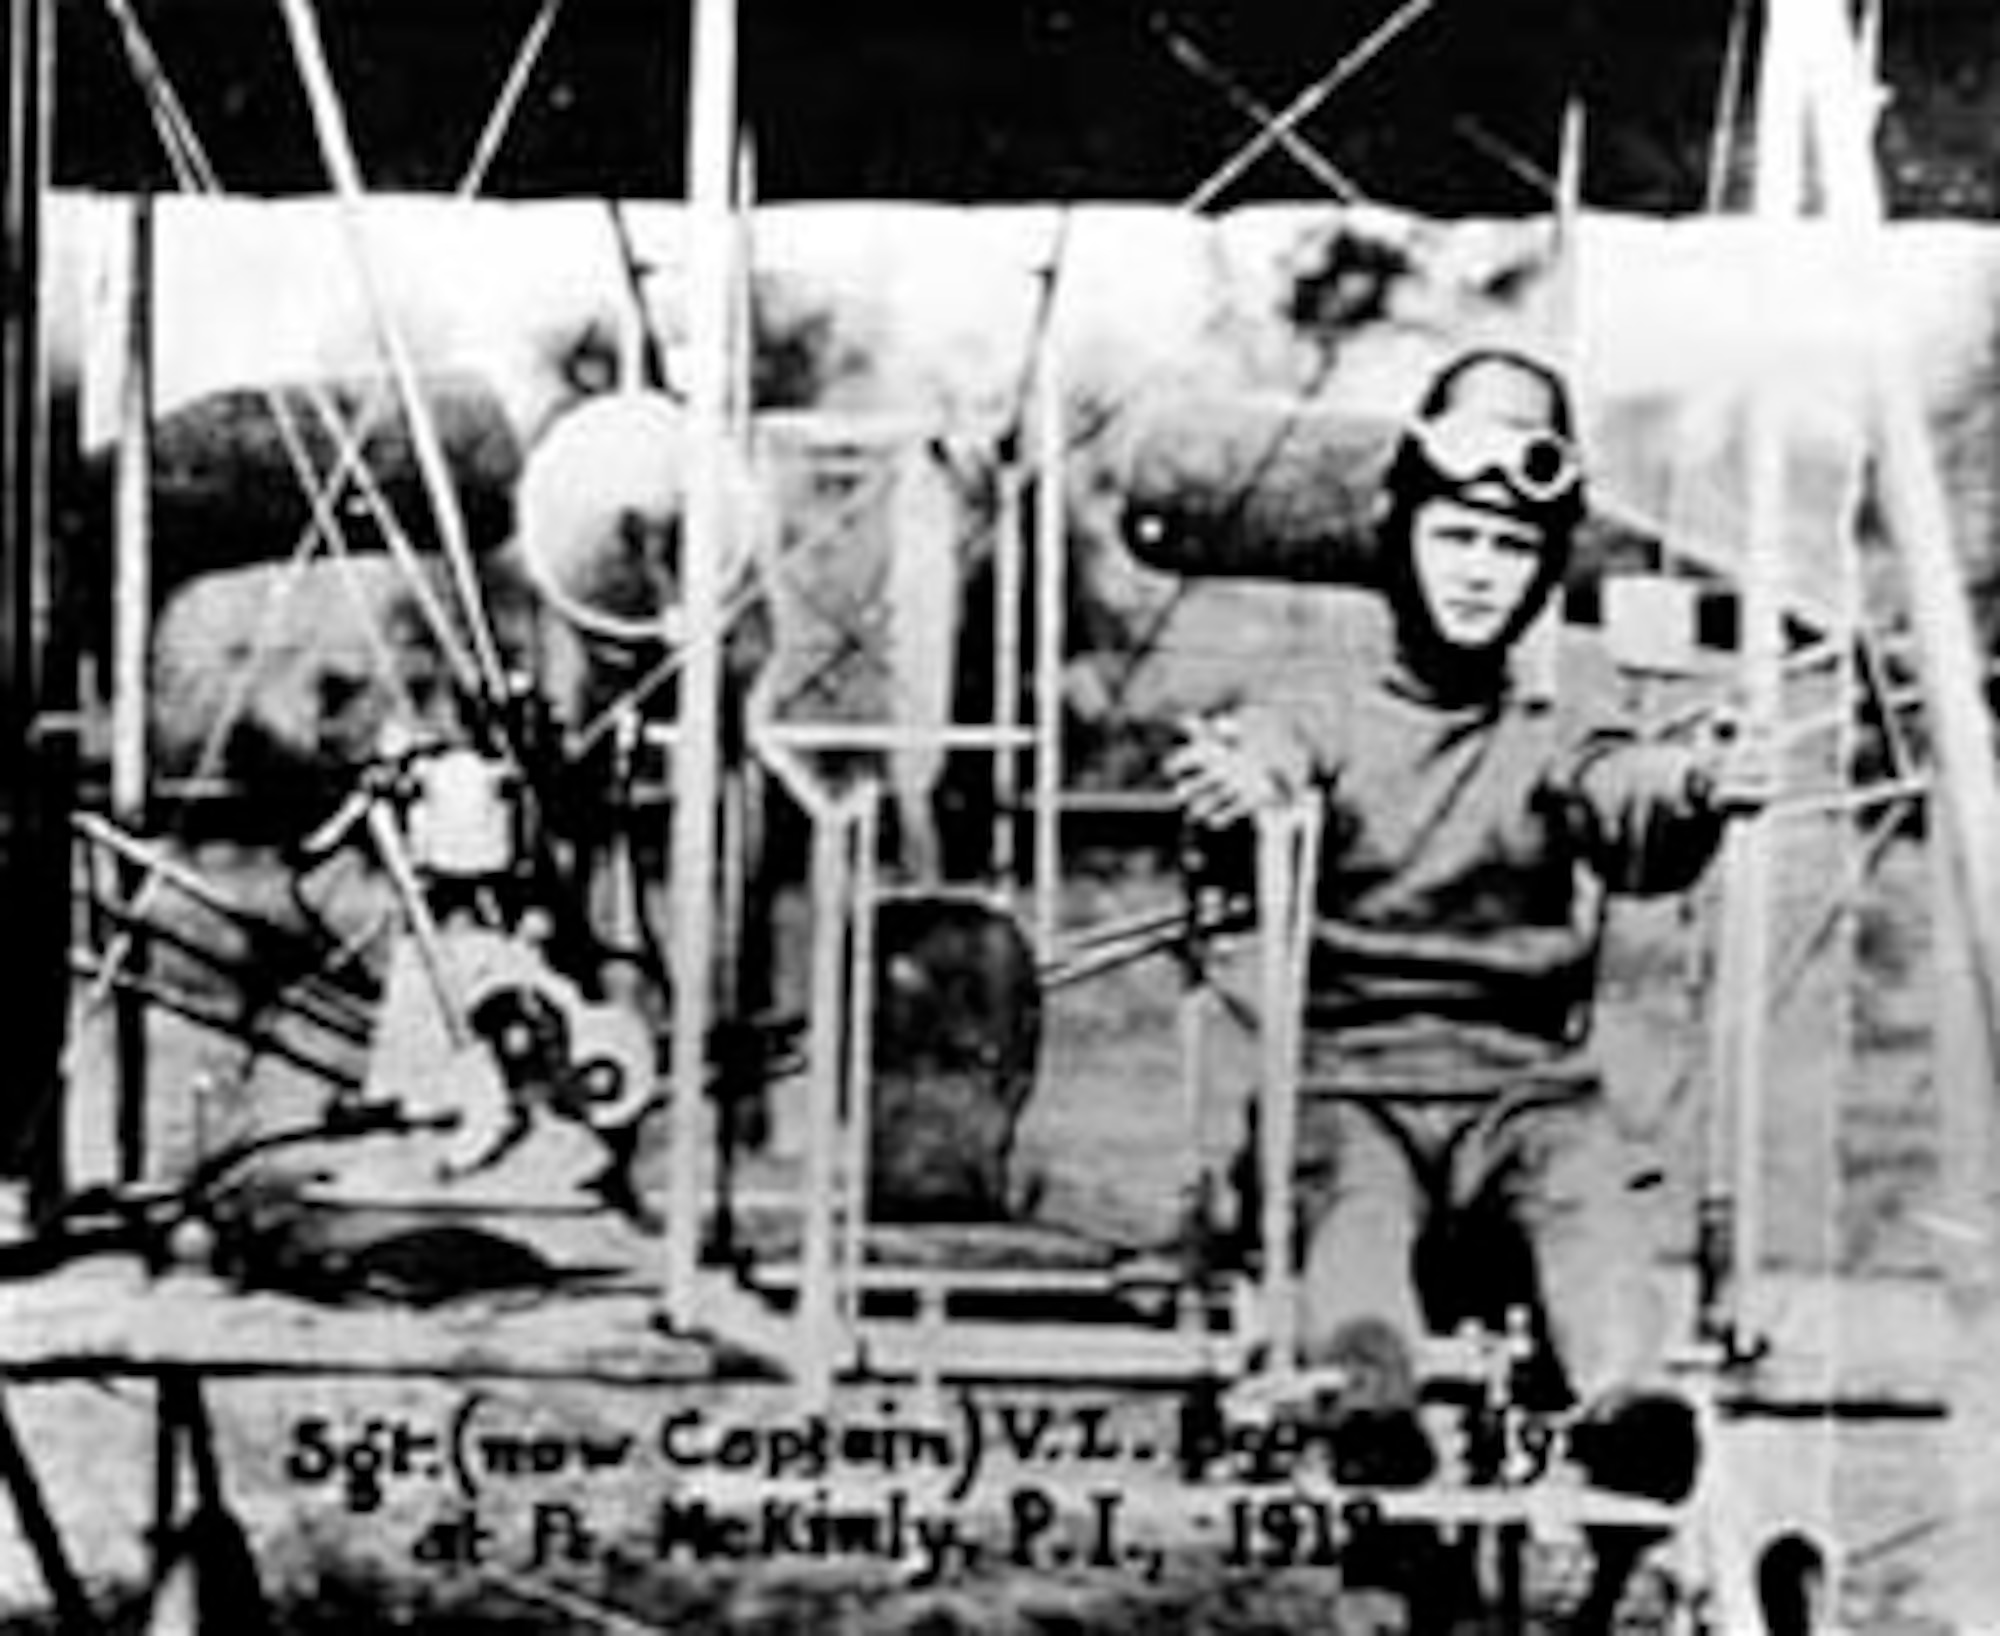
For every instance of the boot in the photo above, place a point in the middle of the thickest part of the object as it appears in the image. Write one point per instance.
(1630, 1442)
(1371, 1424)
(1375, 1440)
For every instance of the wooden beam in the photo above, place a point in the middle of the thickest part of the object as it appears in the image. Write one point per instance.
(39, 766)
(131, 647)
(1735, 1145)
(132, 581)
(851, 737)
(1051, 574)
(1009, 577)
(709, 541)
(84, 1325)
(818, 1318)
(864, 826)
(1288, 842)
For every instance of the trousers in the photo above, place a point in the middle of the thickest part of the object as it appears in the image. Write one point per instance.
(1390, 1186)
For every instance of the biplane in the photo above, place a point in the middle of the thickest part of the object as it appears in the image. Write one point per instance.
(603, 826)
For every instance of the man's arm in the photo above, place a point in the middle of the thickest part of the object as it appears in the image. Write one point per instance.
(1652, 815)
(1230, 767)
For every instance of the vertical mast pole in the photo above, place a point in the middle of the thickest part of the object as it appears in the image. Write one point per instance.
(131, 643)
(1742, 1035)
(38, 766)
(1966, 791)
(132, 531)
(1964, 807)
(1840, 104)
(712, 245)
(1051, 593)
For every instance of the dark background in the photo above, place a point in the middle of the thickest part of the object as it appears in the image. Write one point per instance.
(995, 100)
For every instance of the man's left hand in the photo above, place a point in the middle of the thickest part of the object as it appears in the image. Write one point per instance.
(1736, 765)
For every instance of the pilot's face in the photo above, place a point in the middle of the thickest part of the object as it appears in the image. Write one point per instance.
(1474, 567)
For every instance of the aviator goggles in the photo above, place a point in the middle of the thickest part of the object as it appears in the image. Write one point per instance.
(1537, 464)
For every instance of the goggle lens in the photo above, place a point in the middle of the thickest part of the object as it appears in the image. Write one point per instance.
(1538, 465)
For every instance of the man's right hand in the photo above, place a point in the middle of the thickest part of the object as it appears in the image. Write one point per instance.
(1219, 779)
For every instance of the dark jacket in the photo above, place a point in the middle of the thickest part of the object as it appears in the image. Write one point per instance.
(1469, 840)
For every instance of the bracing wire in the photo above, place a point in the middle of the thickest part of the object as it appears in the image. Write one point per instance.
(1724, 133)
(337, 152)
(501, 120)
(195, 173)
(1308, 102)
(1303, 153)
